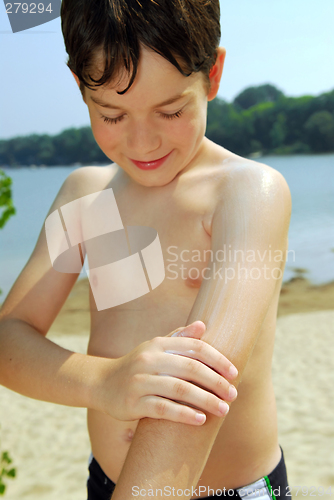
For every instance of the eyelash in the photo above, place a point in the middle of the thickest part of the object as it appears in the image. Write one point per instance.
(174, 115)
(165, 116)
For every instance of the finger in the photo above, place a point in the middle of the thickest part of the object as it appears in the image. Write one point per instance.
(191, 370)
(188, 394)
(202, 351)
(195, 330)
(161, 408)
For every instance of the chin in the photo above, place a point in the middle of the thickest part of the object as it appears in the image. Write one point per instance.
(158, 182)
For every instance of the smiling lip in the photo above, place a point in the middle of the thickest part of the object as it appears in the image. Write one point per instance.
(150, 165)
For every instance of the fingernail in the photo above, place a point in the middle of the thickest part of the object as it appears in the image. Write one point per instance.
(200, 417)
(232, 392)
(233, 371)
(223, 408)
(178, 334)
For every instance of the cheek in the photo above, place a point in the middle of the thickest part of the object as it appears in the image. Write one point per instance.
(189, 130)
(105, 137)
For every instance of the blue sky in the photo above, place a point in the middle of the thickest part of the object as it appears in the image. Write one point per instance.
(288, 43)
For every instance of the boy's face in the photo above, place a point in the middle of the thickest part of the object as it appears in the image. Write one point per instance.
(142, 126)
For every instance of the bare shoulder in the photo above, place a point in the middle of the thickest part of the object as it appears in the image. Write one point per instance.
(249, 194)
(252, 205)
(87, 180)
(251, 181)
(40, 290)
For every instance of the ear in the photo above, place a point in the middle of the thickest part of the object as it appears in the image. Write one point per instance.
(78, 82)
(216, 73)
(76, 78)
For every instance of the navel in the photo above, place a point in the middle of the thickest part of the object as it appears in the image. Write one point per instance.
(129, 433)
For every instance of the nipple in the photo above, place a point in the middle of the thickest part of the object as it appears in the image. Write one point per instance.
(193, 283)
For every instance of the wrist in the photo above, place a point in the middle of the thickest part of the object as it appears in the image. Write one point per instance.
(99, 389)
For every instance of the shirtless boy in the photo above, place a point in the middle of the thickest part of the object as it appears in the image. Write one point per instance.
(146, 71)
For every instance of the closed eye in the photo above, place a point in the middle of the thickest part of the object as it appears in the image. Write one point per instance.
(174, 115)
(112, 120)
(163, 115)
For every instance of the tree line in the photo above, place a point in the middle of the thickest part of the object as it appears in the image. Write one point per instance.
(260, 120)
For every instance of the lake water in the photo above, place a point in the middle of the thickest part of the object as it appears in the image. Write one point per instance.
(311, 234)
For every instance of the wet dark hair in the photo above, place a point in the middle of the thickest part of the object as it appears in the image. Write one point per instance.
(185, 32)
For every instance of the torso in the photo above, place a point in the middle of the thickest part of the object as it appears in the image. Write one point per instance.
(246, 447)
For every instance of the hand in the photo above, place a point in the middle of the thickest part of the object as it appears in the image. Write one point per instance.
(168, 377)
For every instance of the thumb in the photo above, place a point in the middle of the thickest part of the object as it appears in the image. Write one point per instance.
(194, 330)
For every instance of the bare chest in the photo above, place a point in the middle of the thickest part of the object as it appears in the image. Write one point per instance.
(166, 248)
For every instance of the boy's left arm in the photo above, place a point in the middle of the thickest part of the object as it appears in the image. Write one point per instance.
(252, 218)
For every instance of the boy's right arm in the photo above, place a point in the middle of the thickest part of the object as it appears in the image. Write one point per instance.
(31, 364)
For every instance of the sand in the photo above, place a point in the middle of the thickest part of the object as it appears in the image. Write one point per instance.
(304, 388)
(50, 446)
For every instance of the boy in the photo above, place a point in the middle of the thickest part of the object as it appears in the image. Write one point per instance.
(146, 71)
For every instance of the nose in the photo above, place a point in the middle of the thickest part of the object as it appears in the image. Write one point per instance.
(143, 139)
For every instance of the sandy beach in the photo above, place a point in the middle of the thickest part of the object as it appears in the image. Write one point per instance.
(49, 443)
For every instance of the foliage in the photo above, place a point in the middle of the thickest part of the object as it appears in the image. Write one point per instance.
(6, 204)
(260, 119)
(255, 95)
(5, 199)
(277, 125)
(320, 131)
(69, 147)
(6, 471)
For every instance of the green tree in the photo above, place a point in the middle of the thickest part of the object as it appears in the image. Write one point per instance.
(320, 131)
(278, 131)
(45, 151)
(255, 95)
(262, 118)
(228, 128)
(259, 119)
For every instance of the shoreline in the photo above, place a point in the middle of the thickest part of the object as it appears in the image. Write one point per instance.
(256, 155)
(300, 295)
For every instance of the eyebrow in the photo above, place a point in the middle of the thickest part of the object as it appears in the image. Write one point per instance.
(103, 104)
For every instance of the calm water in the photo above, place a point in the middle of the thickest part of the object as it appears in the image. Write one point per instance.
(311, 235)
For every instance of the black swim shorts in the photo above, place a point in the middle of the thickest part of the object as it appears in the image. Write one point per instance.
(271, 487)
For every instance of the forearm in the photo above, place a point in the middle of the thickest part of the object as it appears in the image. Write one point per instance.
(36, 367)
(167, 454)
(173, 455)
(233, 313)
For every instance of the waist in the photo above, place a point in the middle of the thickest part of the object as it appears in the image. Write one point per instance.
(274, 484)
(228, 463)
